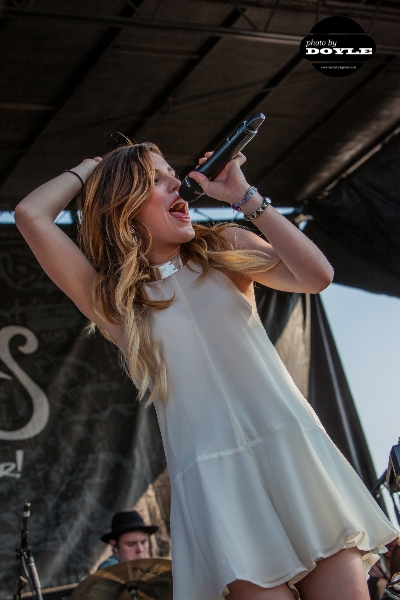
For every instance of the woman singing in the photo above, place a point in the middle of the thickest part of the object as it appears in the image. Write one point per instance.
(264, 506)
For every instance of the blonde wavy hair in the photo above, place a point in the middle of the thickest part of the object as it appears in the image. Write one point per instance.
(118, 248)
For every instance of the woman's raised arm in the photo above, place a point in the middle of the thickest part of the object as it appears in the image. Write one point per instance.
(303, 267)
(60, 258)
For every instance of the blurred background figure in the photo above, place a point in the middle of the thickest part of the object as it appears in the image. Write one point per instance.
(129, 538)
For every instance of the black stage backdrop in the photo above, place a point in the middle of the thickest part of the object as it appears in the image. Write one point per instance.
(357, 223)
(75, 442)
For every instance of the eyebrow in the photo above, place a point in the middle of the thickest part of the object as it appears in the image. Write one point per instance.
(170, 170)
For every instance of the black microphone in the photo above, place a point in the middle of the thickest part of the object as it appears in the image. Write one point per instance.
(190, 190)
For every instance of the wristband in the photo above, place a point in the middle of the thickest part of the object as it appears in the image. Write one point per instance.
(256, 213)
(78, 176)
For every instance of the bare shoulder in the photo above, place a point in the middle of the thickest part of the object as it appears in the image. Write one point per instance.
(274, 276)
(237, 236)
(242, 238)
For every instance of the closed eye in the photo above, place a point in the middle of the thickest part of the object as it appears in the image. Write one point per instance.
(158, 173)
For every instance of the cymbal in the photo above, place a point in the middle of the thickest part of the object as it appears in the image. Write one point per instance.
(144, 579)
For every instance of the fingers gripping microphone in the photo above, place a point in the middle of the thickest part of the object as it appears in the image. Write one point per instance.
(190, 190)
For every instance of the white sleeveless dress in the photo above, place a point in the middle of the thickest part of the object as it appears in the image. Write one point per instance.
(259, 491)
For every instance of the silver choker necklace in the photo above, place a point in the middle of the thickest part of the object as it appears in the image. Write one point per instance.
(167, 269)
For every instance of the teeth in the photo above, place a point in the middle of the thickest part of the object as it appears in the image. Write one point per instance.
(179, 202)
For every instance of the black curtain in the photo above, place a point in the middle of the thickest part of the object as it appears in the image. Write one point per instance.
(357, 223)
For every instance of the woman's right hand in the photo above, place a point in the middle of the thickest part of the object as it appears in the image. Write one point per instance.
(86, 167)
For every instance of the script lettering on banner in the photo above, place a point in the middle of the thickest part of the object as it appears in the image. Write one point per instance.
(40, 403)
(13, 469)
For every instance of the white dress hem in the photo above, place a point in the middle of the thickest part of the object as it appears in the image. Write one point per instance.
(369, 558)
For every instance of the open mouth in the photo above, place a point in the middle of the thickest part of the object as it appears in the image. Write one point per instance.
(179, 207)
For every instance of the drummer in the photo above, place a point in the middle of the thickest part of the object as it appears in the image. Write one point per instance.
(129, 538)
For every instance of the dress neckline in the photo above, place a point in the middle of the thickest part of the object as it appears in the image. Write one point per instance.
(167, 269)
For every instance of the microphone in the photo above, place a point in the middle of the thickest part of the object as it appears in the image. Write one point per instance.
(190, 190)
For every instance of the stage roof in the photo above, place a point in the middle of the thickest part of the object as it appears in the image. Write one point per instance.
(184, 73)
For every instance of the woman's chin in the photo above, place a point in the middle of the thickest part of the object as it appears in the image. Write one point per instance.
(187, 234)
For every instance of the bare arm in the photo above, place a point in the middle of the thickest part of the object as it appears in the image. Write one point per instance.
(303, 267)
(60, 258)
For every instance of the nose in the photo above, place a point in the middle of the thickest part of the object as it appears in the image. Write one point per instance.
(175, 183)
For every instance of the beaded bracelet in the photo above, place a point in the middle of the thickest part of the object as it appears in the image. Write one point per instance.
(252, 190)
(74, 172)
(256, 213)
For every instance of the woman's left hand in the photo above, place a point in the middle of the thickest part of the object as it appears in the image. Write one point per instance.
(229, 186)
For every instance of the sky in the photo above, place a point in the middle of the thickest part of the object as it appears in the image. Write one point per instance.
(366, 328)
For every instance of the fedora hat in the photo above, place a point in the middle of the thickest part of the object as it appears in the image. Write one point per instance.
(123, 522)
